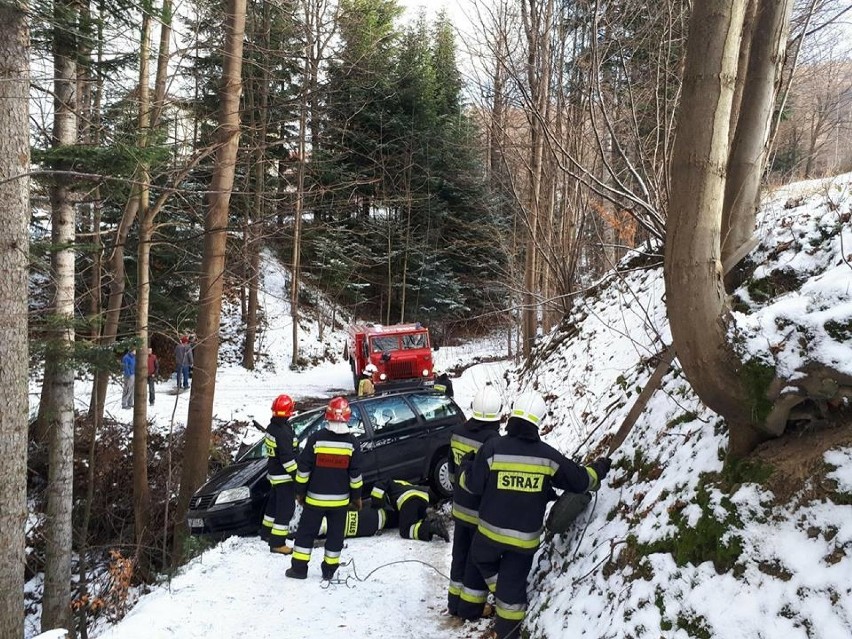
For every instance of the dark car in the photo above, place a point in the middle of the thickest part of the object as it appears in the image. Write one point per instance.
(403, 435)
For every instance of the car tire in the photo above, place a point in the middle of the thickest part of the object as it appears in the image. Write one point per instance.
(439, 476)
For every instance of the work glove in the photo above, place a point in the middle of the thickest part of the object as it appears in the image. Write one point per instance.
(356, 504)
(600, 467)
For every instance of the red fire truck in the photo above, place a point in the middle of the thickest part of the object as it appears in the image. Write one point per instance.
(401, 353)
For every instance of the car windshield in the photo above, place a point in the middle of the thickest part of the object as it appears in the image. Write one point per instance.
(299, 423)
(417, 340)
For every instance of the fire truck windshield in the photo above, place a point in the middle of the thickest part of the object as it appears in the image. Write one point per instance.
(385, 343)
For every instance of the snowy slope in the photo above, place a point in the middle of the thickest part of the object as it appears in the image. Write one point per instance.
(670, 548)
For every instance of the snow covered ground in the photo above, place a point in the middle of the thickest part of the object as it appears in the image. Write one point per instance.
(664, 552)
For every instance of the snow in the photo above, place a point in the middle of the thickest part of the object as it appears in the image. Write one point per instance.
(610, 576)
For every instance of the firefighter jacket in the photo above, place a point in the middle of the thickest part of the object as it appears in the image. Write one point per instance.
(515, 475)
(393, 493)
(443, 384)
(329, 472)
(280, 447)
(366, 387)
(465, 441)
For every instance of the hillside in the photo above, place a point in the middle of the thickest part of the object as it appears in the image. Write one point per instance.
(674, 547)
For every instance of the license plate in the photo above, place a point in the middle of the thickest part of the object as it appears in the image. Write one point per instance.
(195, 523)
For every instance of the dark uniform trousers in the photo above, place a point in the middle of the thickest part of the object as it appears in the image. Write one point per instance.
(411, 524)
(279, 511)
(462, 537)
(308, 531)
(510, 590)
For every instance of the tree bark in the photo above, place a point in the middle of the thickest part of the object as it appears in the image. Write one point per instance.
(198, 428)
(59, 366)
(295, 270)
(749, 151)
(14, 250)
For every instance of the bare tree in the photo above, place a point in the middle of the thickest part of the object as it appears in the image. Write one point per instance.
(14, 248)
(199, 422)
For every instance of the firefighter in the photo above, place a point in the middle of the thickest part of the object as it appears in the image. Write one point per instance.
(411, 503)
(328, 484)
(465, 441)
(280, 447)
(366, 386)
(515, 475)
(443, 383)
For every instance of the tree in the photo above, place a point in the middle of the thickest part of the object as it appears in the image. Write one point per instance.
(211, 284)
(695, 293)
(59, 366)
(14, 247)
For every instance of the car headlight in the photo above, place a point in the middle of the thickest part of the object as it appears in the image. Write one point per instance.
(383, 377)
(232, 494)
(425, 372)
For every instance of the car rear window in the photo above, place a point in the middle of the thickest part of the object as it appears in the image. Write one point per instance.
(434, 405)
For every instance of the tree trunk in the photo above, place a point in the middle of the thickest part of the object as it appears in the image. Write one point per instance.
(749, 151)
(141, 489)
(297, 215)
(200, 417)
(696, 300)
(59, 367)
(14, 251)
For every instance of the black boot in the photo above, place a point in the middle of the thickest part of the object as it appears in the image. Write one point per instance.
(293, 573)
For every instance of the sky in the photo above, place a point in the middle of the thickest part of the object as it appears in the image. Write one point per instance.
(609, 576)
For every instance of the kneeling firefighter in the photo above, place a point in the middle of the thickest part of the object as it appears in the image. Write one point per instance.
(280, 447)
(515, 475)
(464, 442)
(411, 502)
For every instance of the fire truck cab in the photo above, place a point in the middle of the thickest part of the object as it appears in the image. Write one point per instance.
(401, 353)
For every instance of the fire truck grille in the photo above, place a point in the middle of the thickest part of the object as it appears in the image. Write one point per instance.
(402, 370)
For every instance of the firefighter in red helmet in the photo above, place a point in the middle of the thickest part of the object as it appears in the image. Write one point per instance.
(280, 446)
(328, 484)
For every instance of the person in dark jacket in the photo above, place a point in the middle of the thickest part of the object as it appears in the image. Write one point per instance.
(515, 476)
(153, 372)
(280, 446)
(465, 440)
(328, 484)
(183, 362)
(412, 503)
(443, 383)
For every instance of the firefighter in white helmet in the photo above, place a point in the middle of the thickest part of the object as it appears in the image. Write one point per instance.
(366, 385)
(515, 475)
(465, 440)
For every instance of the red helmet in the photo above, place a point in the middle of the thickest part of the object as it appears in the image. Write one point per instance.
(338, 410)
(283, 406)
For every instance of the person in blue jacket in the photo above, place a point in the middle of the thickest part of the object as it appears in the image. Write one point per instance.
(128, 371)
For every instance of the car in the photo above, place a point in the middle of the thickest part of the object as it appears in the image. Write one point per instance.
(403, 435)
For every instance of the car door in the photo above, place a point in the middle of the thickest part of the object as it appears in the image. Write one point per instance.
(396, 447)
(357, 427)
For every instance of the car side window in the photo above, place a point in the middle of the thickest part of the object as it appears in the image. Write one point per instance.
(434, 406)
(390, 414)
(356, 426)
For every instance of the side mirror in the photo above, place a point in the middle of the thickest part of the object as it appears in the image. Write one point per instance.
(435, 347)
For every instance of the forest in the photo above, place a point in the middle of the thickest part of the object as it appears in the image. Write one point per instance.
(476, 178)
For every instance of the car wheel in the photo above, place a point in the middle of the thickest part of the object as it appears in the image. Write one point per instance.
(440, 476)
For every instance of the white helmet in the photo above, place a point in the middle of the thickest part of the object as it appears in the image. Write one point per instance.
(487, 405)
(369, 369)
(531, 407)
(438, 369)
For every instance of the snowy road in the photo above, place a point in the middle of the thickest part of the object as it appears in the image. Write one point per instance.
(238, 589)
